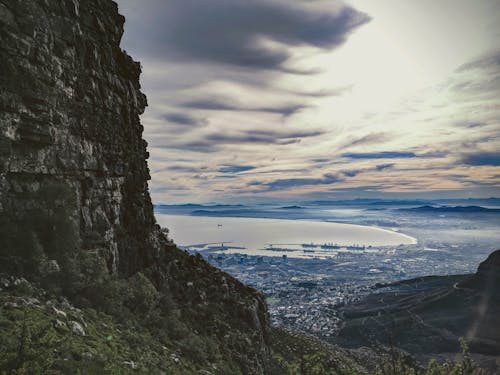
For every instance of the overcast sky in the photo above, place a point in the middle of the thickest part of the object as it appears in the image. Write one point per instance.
(268, 99)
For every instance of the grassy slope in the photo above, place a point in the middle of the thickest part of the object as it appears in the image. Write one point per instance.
(40, 335)
(37, 337)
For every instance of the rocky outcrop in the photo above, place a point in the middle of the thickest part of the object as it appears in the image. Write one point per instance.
(74, 197)
(487, 277)
(70, 102)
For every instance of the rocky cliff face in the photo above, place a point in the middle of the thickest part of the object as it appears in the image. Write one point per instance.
(70, 102)
(487, 277)
(75, 212)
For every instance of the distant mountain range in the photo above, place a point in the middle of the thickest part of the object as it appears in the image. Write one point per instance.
(368, 202)
(408, 202)
(488, 202)
(160, 207)
(470, 201)
(460, 209)
(192, 205)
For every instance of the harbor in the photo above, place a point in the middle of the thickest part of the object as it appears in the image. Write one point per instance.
(277, 237)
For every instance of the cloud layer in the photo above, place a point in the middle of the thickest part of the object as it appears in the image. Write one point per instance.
(318, 99)
(232, 31)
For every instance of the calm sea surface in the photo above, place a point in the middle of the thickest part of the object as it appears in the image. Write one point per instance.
(273, 237)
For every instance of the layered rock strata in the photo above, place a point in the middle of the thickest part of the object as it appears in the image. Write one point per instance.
(70, 102)
(73, 173)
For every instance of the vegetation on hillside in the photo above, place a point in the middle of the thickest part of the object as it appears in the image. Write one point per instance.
(43, 334)
(297, 354)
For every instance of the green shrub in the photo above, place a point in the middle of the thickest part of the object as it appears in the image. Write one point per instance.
(395, 365)
(193, 347)
(142, 296)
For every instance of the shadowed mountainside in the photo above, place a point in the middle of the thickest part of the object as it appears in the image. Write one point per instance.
(426, 316)
(76, 218)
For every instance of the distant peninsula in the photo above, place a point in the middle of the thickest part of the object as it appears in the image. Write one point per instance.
(454, 209)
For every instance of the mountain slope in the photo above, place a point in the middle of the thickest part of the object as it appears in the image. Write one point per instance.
(427, 316)
(76, 216)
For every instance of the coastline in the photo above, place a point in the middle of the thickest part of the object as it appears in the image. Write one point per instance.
(255, 236)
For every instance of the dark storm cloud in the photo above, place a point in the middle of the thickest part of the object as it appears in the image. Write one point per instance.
(352, 173)
(194, 146)
(380, 155)
(228, 31)
(288, 183)
(482, 158)
(182, 168)
(263, 136)
(382, 167)
(210, 104)
(212, 142)
(182, 119)
(236, 168)
(218, 105)
(320, 160)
